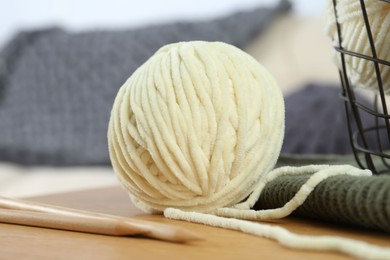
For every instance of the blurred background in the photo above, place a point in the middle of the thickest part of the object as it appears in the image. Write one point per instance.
(87, 14)
(62, 63)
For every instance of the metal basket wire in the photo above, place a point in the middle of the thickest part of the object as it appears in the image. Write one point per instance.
(374, 156)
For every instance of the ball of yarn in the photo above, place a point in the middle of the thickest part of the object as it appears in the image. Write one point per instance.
(195, 127)
(354, 37)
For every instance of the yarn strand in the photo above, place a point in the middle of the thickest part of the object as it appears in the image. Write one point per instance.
(286, 238)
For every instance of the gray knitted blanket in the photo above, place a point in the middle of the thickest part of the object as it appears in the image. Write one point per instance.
(57, 88)
(316, 122)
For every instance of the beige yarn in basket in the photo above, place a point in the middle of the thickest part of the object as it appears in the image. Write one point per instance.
(361, 72)
(198, 128)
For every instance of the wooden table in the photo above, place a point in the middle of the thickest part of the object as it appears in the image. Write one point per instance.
(22, 242)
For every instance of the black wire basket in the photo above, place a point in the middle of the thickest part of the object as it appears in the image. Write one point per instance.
(373, 155)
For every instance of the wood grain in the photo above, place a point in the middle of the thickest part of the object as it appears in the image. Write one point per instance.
(20, 242)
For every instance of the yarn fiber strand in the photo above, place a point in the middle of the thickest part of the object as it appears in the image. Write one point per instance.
(286, 238)
(195, 127)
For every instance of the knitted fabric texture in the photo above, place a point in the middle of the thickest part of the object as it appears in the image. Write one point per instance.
(354, 37)
(57, 88)
(363, 201)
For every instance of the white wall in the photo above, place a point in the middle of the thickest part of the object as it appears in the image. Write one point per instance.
(88, 14)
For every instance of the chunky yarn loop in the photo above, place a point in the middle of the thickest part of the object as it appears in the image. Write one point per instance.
(355, 38)
(197, 129)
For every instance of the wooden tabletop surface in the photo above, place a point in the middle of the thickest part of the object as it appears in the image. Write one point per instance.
(22, 242)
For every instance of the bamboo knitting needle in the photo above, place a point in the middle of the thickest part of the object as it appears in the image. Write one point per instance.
(21, 212)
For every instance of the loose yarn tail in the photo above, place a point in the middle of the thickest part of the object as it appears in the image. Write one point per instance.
(232, 218)
(283, 236)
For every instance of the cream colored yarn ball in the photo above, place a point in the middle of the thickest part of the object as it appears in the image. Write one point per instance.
(195, 127)
(354, 38)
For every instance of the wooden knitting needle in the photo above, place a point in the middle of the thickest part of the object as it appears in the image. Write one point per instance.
(21, 212)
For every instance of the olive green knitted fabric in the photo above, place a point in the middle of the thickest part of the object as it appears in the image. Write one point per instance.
(361, 201)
